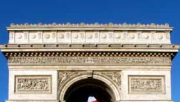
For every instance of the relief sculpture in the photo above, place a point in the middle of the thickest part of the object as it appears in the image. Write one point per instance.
(91, 60)
(26, 84)
(113, 75)
(146, 84)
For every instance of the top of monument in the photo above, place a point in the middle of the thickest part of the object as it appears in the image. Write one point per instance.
(123, 26)
(89, 33)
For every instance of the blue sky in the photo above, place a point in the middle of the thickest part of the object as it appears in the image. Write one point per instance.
(90, 11)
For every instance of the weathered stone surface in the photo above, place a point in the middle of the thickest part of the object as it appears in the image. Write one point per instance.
(90, 33)
(33, 84)
(131, 63)
(146, 84)
(97, 36)
(91, 60)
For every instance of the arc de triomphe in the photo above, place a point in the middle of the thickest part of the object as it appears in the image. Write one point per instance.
(69, 62)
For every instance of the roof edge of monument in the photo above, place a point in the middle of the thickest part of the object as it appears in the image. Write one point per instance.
(90, 47)
(87, 26)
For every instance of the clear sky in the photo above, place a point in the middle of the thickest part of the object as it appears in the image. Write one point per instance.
(90, 11)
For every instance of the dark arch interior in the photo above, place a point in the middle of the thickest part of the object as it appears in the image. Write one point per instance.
(81, 90)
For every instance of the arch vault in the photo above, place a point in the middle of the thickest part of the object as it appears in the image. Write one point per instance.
(100, 81)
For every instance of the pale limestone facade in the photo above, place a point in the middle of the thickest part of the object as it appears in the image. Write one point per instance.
(130, 63)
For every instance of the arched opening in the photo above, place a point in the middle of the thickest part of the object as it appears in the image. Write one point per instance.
(81, 90)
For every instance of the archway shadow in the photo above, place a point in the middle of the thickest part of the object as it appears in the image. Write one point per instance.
(81, 90)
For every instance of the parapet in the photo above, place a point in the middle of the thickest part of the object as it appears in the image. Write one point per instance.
(89, 33)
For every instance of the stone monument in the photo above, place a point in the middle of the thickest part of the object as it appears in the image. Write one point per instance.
(69, 62)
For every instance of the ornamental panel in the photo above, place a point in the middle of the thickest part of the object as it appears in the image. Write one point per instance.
(33, 84)
(146, 84)
(91, 60)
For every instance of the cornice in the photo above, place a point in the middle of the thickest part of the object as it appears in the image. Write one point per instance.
(94, 26)
(88, 54)
(90, 47)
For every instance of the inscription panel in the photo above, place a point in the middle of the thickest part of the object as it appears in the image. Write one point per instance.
(33, 84)
(91, 60)
(146, 84)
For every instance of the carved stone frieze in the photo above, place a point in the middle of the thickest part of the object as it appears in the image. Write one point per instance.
(91, 60)
(146, 84)
(33, 84)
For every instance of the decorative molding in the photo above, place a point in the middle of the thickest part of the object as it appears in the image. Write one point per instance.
(88, 54)
(100, 46)
(143, 84)
(89, 37)
(27, 25)
(32, 84)
(90, 60)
